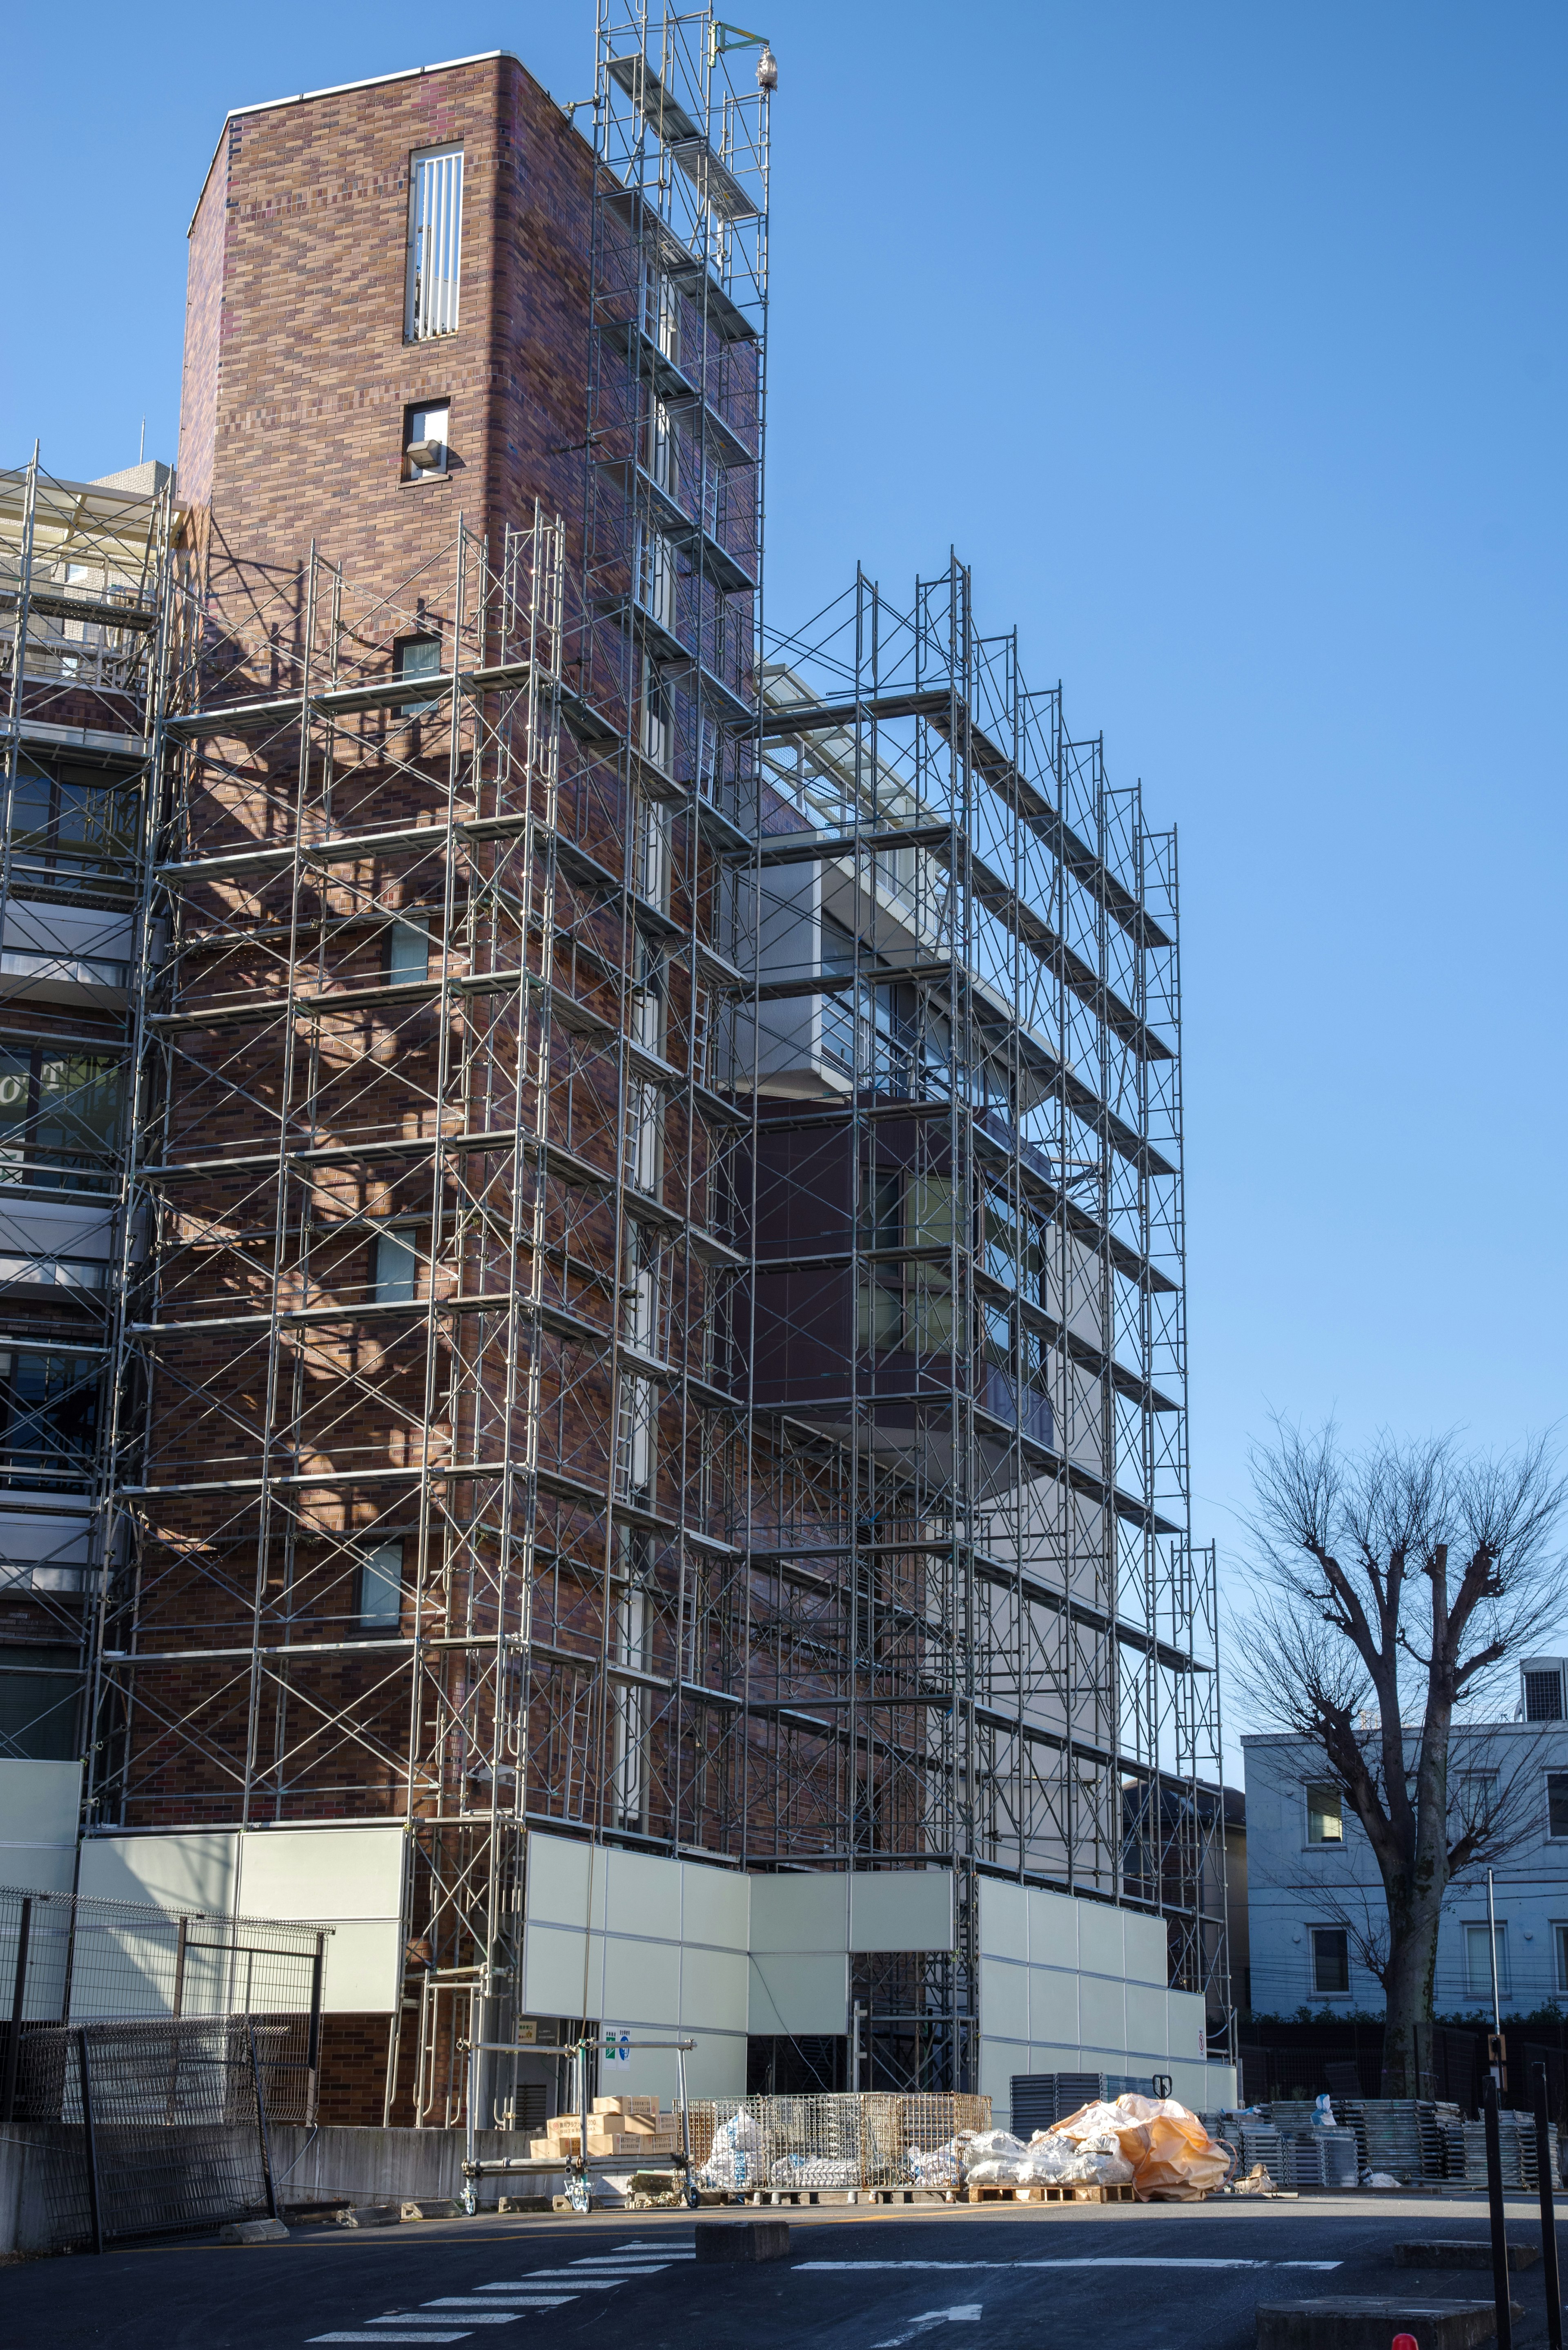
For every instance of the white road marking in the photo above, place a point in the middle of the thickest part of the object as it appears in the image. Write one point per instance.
(575, 2279)
(962, 2313)
(550, 2298)
(1131, 2261)
(474, 2312)
(631, 2260)
(425, 2334)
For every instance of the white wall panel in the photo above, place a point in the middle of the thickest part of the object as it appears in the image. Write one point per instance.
(189, 1869)
(39, 1804)
(901, 1909)
(800, 1913)
(803, 1991)
(1003, 1919)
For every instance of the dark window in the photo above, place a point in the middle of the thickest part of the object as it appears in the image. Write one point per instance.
(39, 1689)
(48, 1419)
(1543, 1697)
(1557, 1802)
(418, 657)
(59, 1118)
(79, 820)
(1330, 1959)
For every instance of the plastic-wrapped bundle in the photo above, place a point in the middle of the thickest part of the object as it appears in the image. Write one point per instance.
(992, 2159)
(940, 2166)
(1172, 2155)
(735, 2160)
(800, 2170)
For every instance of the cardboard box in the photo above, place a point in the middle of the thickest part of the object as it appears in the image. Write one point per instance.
(649, 2106)
(617, 2145)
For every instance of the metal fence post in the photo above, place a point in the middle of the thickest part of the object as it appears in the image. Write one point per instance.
(1494, 2199)
(18, 1990)
(261, 2122)
(89, 2142)
(313, 2042)
(1548, 2212)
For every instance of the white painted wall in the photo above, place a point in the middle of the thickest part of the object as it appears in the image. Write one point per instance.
(39, 1804)
(651, 1947)
(1070, 1986)
(348, 1877)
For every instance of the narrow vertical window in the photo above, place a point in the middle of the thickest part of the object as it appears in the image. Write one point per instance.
(380, 1594)
(435, 243)
(394, 1267)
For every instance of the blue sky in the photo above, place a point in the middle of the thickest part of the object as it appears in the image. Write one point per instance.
(1227, 344)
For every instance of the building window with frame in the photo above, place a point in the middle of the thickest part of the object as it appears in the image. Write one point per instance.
(1557, 1803)
(48, 1419)
(1477, 1961)
(1325, 1812)
(379, 1597)
(435, 243)
(418, 656)
(1560, 1946)
(59, 1118)
(395, 1265)
(426, 432)
(1330, 1961)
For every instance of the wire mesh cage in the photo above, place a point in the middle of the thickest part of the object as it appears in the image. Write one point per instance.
(801, 2144)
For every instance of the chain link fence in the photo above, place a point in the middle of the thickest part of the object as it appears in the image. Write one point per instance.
(871, 2138)
(146, 2053)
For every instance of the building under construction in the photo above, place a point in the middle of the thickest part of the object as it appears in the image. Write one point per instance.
(594, 1297)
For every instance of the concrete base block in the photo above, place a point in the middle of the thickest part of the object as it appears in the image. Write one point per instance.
(370, 2215)
(745, 2240)
(254, 2231)
(1461, 2253)
(1333, 2324)
(444, 2207)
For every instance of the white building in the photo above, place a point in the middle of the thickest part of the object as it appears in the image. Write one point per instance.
(1315, 1897)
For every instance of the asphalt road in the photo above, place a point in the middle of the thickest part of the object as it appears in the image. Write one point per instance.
(1122, 2278)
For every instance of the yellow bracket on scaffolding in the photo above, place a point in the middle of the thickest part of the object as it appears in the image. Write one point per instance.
(723, 37)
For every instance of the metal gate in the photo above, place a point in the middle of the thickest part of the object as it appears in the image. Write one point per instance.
(151, 2128)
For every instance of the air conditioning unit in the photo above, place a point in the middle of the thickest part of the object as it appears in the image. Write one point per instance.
(1540, 1688)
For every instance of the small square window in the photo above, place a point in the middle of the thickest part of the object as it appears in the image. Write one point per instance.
(426, 432)
(380, 1593)
(1557, 1802)
(1330, 1961)
(1326, 1813)
(418, 656)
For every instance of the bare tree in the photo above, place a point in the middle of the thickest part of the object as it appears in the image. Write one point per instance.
(1367, 1642)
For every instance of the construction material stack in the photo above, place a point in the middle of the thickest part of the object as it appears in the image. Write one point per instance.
(620, 2129)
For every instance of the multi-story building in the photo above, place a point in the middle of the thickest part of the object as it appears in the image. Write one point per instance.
(1317, 1915)
(641, 1470)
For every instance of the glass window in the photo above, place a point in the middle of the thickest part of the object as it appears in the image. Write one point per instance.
(1330, 1961)
(881, 1286)
(1477, 1963)
(418, 657)
(1560, 1941)
(381, 1587)
(396, 1265)
(435, 243)
(1326, 1813)
(48, 1419)
(1557, 1802)
(426, 430)
(40, 1688)
(409, 950)
(59, 1118)
(1474, 1797)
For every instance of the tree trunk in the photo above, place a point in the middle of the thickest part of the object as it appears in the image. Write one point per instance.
(1407, 2026)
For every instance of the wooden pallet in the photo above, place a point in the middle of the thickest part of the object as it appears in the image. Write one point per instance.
(991, 2194)
(1067, 2193)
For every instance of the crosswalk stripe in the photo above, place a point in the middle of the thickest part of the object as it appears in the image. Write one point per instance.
(425, 2334)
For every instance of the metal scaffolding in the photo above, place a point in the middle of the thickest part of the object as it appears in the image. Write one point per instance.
(650, 1296)
(84, 567)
